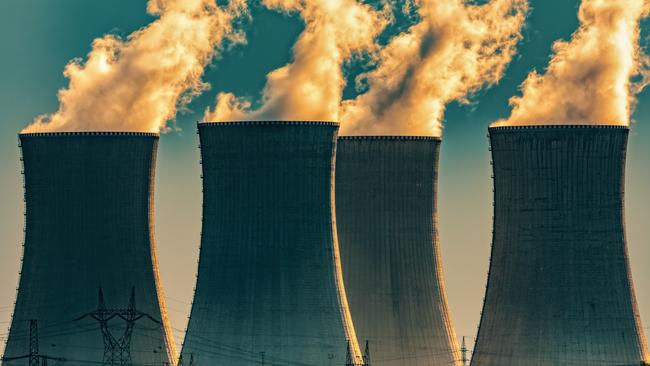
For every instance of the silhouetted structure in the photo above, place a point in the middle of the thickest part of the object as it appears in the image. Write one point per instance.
(463, 352)
(387, 226)
(269, 280)
(559, 289)
(88, 223)
(117, 350)
(34, 358)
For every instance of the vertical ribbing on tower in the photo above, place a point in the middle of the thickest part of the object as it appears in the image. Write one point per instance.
(386, 209)
(269, 275)
(88, 223)
(559, 288)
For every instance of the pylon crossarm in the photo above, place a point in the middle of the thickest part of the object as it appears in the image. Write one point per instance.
(83, 316)
(150, 318)
(128, 317)
(100, 318)
(89, 315)
(138, 317)
(153, 319)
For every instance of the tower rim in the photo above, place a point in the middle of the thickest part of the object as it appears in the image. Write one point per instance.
(88, 133)
(266, 122)
(391, 137)
(559, 127)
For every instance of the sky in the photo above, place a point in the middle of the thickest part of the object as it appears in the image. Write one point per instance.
(40, 37)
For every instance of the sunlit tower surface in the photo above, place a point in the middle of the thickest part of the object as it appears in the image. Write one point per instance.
(269, 284)
(559, 289)
(88, 223)
(386, 214)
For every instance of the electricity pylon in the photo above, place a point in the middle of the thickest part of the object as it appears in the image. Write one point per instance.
(348, 356)
(35, 359)
(117, 351)
(463, 350)
(366, 357)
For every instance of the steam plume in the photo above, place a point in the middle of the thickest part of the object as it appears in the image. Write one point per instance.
(453, 51)
(311, 87)
(139, 83)
(588, 80)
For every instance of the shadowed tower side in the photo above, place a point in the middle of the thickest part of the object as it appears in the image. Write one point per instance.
(269, 288)
(559, 288)
(387, 226)
(89, 223)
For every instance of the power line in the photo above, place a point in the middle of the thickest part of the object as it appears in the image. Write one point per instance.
(117, 351)
(35, 359)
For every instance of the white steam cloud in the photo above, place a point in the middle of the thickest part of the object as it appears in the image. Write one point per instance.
(138, 84)
(454, 50)
(589, 78)
(311, 87)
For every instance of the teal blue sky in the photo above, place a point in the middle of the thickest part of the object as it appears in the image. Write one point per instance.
(38, 38)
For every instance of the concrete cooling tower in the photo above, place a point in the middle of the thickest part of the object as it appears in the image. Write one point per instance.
(559, 290)
(89, 225)
(387, 225)
(269, 288)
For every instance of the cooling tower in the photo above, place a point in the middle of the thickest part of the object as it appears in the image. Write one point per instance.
(269, 288)
(387, 225)
(559, 288)
(89, 224)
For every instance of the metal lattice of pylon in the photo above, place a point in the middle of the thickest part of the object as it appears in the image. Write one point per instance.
(349, 359)
(348, 355)
(33, 343)
(366, 355)
(117, 351)
(463, 350)
(35, 358)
